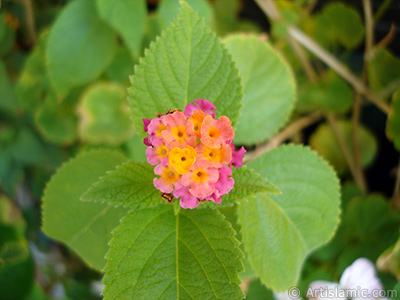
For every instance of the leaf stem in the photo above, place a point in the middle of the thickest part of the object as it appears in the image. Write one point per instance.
(282, 136)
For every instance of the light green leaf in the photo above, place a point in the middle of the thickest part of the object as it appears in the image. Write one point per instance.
(130, 184)
(346, 24)
(269, 88)
(80, 46)
(279, 231)
(384, 71)
(331, 94)
(187, 62)
(169, 9)
(393, 121)
(57, 121)
(325, 142)
(84, 227)
(136, 149)
(157, 254)
(128, 18)
(104, 114)
(226, 13)
(247, 183)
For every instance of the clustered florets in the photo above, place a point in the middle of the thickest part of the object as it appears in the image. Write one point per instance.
(193, 153)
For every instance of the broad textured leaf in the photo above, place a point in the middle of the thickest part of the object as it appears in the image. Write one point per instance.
(331, 94)
(393, 121)
(169, 9)
(384, 71)
(187, 62)
(279, 231)
(80, 46)
(247, 183)
(346, 24)
(269, 88)
(128, 18)
(104, 114)
(85, 227)
(157, 254)
(325, 142)
(130, 184)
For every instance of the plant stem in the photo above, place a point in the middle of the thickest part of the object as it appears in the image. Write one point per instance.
(338, 67)
(382, 9)
(282, 136)
(269, 8)
(30, 20)
(356, 142)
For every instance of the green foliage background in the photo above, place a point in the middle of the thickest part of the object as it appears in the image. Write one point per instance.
(76, 79)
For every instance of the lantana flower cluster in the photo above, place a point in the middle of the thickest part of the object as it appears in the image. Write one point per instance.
(193, 153)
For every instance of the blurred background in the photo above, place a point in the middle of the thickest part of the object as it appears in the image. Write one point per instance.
(64, 75)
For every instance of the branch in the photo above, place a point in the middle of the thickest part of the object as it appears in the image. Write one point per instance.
(269, 8)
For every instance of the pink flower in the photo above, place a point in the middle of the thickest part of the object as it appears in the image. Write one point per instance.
(179, 132)
(158, 152)
(225, 181)
(200, 178)
(201, 104)
(237, 156)
(169, 177)
(215, 133)
(216, 157)
(187, 199)
(146, 123)
(155, 128)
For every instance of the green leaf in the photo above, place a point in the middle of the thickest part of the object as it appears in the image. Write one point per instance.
(84, 227)
(104, 114)
(121, 67)
(130, 184)
(325, 142)
(393, 121)
(383, 71)
(7, 42)
(128, 18)
(157, 254)
(27, 148)
(187, 62)
(332, 94)
(247, 183)
(389, 261)
(136, 149)
(56, 121)
(346, 24)
(169, 9)
(80, 46)
(34, 81)
(279, 231)
(8, 100)
(269, 88)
